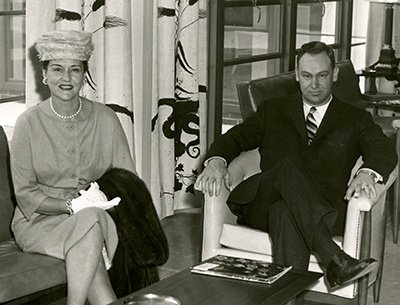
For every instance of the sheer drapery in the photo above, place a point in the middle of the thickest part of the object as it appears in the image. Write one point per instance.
(375, 34)
(179, 107)
(110, 66)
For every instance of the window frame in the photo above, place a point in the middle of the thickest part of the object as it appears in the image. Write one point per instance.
(7, 83)
(287, 53)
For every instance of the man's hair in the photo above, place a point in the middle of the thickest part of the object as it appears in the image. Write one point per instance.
(317, 47)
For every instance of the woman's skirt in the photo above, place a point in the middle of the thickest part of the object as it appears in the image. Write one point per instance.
(55, 235)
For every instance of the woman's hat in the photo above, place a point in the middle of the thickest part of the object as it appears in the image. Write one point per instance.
(75, 45)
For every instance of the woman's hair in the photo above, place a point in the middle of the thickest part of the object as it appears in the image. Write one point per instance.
(45, 65)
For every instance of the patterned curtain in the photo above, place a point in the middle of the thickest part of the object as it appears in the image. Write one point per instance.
(110, 67)
(179, 106)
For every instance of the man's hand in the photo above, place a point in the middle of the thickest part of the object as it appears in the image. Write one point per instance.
(363, 181)
(210, 180)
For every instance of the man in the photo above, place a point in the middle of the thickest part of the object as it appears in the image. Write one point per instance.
(300, 196)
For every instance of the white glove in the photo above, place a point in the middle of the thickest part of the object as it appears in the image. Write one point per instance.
(93, 197)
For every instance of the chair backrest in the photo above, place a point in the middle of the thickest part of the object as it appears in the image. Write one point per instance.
(6, 190)
(252, 93)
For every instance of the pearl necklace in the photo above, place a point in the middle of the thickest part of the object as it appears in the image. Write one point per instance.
(66, 117)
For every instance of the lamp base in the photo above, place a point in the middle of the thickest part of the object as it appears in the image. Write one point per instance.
(387, 60)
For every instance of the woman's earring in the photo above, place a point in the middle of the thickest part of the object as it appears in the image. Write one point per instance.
(45, 81)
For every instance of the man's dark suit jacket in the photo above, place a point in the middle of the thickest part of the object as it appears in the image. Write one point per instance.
(278, 129)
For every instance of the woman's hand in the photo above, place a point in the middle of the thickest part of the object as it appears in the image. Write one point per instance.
(93, 197)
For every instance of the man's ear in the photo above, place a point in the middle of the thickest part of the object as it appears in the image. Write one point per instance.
(335, 74)
(44, 72)
(296, 72)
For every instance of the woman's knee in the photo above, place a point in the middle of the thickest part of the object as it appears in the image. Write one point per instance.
(93, 212)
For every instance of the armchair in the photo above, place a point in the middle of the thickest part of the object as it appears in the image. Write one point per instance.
(365, 221)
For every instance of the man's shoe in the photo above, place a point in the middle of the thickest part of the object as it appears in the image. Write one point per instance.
(343, 269)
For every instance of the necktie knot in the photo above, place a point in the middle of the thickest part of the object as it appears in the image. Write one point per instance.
(311, 125)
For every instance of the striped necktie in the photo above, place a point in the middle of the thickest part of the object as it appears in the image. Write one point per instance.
(311, 124)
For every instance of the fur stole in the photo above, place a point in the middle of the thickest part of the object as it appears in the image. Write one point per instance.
(142, 243)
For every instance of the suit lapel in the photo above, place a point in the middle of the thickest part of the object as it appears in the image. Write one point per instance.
(332, 117)
(296, 111)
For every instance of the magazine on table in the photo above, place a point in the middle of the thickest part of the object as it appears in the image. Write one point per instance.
(241, 269)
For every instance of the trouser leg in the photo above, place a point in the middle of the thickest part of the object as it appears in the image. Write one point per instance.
(304, 205)
(288, 247)
(305, 202)
(323, 243)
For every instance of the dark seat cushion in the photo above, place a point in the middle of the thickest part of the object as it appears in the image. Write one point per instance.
(6, 192)
(21, 273)
(24, 273)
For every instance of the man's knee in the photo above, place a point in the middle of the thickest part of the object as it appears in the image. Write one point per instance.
(278, 214)
(292, 162)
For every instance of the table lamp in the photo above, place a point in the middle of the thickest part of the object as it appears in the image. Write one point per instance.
(387, 60)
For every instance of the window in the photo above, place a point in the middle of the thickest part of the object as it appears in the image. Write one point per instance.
(252, 39)
(359, 34)
(317, 21)
(12, 50)
(252, 49)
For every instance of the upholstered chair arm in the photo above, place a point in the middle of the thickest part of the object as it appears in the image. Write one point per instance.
(216, 211)
(244, 166)
(396, 124)
(365, 204)
(355, 209)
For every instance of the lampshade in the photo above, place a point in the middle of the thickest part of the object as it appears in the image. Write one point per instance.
(387, 60)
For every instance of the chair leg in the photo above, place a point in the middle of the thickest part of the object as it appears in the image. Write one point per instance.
(395, 210)
(378, 282)
(395, 202)
(363, 290)
(365, 253)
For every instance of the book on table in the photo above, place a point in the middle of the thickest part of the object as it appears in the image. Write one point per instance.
(241, 269)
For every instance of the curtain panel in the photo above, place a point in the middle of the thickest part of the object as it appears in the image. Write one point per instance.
(375, 34)
(179, 104)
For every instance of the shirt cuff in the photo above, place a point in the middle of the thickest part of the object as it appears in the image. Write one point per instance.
(377, 177)
(215, 157)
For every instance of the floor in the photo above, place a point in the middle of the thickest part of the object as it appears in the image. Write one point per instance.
(183, 231)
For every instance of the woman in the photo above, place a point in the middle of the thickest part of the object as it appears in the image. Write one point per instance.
(59, 146)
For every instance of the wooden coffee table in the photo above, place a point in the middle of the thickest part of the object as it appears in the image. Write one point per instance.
(195, 289)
